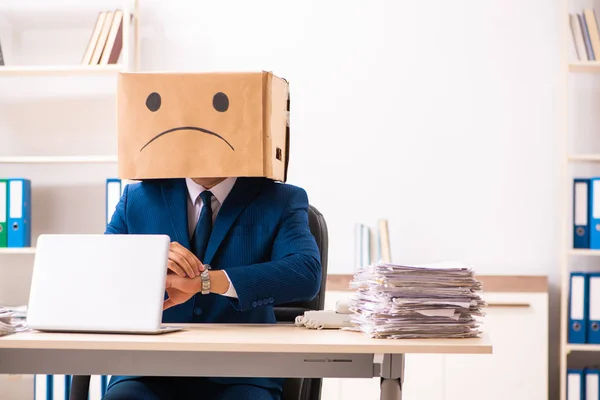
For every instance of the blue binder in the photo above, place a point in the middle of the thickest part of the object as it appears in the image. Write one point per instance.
(68, 379)
(592, 384)
(53, 387)
(575, 384)
(581, 213)
(19, 213)
(48, 385)
(578, 307)
(103, 384)
(113, 195)
(593, 308)
(594, 213)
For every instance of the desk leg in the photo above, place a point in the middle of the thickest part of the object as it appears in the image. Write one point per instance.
(392, 377)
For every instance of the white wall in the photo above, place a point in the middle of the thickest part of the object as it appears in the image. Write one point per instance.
(440, 116)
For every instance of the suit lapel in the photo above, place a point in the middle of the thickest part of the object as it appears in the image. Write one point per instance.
(242, 193)
(174, 195)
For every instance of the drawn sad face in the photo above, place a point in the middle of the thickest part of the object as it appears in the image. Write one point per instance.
(220, 103)
(178, 124)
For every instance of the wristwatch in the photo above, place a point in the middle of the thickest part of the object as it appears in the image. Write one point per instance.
(205, 278)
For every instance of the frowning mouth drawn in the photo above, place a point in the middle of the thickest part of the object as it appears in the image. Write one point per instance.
(187, 128)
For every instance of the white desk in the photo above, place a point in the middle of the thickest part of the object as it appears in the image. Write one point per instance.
(226, 350)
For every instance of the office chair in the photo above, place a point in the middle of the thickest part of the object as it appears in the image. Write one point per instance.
(293, 388)
(307, 388)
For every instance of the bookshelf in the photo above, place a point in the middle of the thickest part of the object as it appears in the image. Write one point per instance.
(17, 250)
(584, 252)
(112, 43)
(65, 177)
(584, 157)
(584, 66)
(575, 64)
(58, 70)
(582, 347)
(58, 159)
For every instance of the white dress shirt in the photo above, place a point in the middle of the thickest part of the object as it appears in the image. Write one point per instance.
(195, 204)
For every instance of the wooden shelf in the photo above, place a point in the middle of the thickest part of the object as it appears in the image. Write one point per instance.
(582, 347)
(585, 66)
(584, 252)
(17, 250)
(64, 70)
(584, 157)
(58, 159)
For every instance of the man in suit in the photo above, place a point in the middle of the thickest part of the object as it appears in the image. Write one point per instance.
(254, 234)
(177, 131)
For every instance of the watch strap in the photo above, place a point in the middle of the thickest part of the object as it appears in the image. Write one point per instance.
(205, 279)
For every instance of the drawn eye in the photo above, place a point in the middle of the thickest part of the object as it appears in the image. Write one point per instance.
(220, 102)
(153, 101)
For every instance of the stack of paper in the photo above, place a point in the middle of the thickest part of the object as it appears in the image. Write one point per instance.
(12, 320)
(429, 301)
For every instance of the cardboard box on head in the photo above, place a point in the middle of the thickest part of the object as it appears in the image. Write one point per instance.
(202, 125)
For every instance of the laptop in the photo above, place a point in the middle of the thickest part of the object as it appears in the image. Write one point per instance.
(99, 283)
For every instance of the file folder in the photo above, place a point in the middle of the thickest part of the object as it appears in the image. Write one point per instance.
(578, 307)
(3, 213)
(43, 387)
(581, 213)
(52, 387)
(595, 213)
(575, 385)
(103, 384)
(113, 195)
(68, 380)
(97, 387)
(19, 213)
(593, 317)
(592, 384)
(59, 387)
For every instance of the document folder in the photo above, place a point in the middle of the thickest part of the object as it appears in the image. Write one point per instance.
(592, 384)
(593, 308)
(103, 384)
(594, 222)
(19, 213)
(578, 302)
(575, 385)
(3, 213)
(43, 387)
(581, 213)
(52, 387)
(113, 195)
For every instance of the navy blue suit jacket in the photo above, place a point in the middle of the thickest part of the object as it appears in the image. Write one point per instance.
(261, 237)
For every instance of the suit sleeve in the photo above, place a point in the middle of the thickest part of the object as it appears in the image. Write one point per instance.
(118, 224)
(294, 272)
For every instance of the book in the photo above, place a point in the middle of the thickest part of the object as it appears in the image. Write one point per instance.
(114, 41)
(578, 40)
(92, 43)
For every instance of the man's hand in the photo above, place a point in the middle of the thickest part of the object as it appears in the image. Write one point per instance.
(183, 262)
(180, 289)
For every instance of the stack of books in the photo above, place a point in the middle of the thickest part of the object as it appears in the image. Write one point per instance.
(586, 35)
(370, 247)
(106, 40)
(430, 301)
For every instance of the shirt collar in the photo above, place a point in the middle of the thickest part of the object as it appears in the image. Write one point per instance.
(220, 190)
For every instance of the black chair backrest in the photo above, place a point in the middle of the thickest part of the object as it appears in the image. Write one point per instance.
(288, 312)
